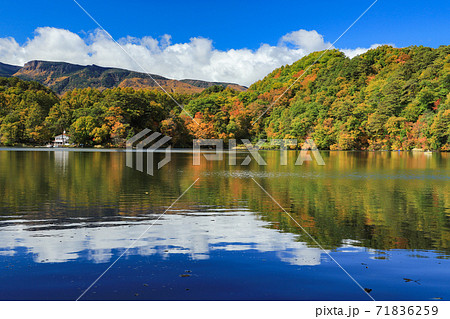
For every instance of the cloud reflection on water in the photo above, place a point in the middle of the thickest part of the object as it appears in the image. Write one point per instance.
(194, 233)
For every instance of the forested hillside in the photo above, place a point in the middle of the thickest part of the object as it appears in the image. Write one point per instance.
(32, 114)
(385, 99)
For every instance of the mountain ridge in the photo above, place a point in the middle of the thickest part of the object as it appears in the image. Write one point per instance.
(63, 76)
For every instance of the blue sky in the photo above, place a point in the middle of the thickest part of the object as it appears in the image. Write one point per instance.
(238, 24)
(228, 26)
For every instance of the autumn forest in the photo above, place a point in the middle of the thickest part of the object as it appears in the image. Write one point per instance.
(385, 99)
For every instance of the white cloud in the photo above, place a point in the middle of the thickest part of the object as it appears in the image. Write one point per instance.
(196, 59)
(310, 41)
(351, 53)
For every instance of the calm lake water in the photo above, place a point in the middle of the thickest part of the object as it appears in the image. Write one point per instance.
(65, 216)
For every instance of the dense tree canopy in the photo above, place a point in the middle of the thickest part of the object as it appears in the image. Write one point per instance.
(386, 98)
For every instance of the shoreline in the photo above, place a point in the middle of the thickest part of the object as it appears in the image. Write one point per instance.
(188, 150)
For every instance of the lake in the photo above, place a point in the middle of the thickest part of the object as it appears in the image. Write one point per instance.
(67, 215)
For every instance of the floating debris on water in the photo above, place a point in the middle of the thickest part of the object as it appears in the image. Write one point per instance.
(411, 280)
(407, 279)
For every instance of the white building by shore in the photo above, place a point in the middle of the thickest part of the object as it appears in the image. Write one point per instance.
(61, 140)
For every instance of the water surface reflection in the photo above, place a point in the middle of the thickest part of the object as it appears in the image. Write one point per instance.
(65, 215)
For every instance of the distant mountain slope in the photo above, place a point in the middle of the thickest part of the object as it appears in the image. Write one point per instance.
(8, 70)
(62, 77)
(205, 84)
